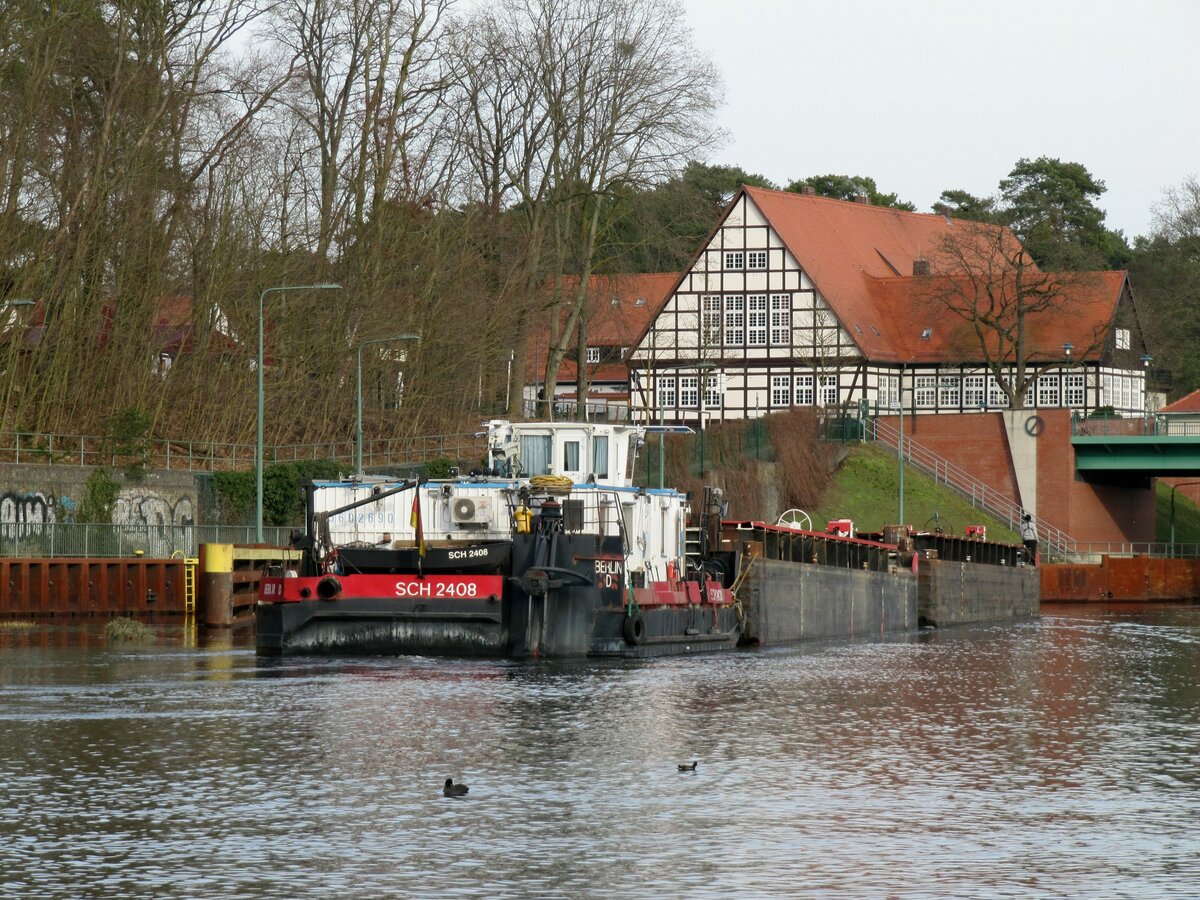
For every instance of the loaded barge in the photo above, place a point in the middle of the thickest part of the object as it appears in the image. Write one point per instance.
(549, 550)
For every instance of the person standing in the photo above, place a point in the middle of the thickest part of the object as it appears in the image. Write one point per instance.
(1029, 536)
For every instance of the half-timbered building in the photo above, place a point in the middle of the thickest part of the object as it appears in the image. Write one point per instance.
(800, 300)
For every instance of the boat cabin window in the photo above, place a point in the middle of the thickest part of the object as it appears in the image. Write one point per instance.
(600, 455)
(535, 454)
(570, 456)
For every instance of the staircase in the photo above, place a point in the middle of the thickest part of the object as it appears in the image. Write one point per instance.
(1055, 542)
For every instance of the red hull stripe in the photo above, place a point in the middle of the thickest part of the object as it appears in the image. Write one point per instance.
(433, 587)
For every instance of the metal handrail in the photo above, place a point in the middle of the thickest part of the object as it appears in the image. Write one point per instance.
(979, 495)
(211, 456)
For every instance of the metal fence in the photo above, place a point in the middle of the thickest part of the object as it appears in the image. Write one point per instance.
(1149, 425)
(207, 456)
(71, 539)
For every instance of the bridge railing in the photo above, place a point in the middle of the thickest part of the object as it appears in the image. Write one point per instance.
(1149, 425)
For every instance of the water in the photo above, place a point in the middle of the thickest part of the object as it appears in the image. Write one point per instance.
(1052, 759)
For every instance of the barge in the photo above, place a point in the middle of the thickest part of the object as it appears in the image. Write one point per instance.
(548, 550)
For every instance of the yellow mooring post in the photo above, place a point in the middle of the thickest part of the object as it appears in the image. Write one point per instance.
(216, 562)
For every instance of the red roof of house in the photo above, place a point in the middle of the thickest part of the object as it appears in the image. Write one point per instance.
(1189, 403)
(861, 258)
(619, 308)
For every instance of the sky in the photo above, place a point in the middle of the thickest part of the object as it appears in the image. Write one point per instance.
(929, 95)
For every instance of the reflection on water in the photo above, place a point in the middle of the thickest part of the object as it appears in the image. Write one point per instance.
(1053, 758)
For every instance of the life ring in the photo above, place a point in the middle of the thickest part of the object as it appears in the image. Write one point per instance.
(329, 587)
(1034, 426)
(634, 629)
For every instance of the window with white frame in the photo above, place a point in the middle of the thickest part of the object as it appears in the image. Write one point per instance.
(1049, 389)
(828, 390)
(735, 321)
(1127, 393)
(666, 392)
(714, 384)
(974, 388)
(803, 390)
(1075, 391)
(948, 388)
(735, 259)
(710, 320)
(996, 397)
(756, 320)
(781, 319)
(889, 393)
(925, 391)
(756, 259)
(689, 391)
(1122, 338)
(593, 355)
(781, 390)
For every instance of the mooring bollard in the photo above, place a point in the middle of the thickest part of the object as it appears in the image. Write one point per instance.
(216, 562)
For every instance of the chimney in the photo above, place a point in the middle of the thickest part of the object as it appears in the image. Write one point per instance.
(808, 190)
(921, 267)
(862, 198)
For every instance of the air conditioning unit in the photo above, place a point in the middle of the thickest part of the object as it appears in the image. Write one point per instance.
(471, 510)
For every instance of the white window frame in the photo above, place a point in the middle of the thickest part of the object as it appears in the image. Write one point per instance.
(925, 391)
(756, 259)
(689, 391)
(949, 391)
(734, 332)
(828, 391)
(756, 320)
(666, 391)
(1076, 390)
(996, 397)
(974, 391)
(1122, 338)
(888, 393)
(781, 390)
(714, 390)
(781, 319)
(593, 355)
(802, 390)
(735, 259)
(1049, 390)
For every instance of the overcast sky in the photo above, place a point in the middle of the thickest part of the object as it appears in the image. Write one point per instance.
(925, 95)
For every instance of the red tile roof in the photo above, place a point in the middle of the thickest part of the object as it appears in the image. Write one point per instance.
(1186, 404)
(619, 309)
(860, 258)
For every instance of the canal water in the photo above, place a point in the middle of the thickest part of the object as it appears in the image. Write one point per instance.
(1051, 759)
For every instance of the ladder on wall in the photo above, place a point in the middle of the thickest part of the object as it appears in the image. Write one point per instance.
(189, 585)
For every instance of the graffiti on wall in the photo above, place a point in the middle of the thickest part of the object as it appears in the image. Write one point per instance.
(150, 509)
(18, 508)
(42, 508)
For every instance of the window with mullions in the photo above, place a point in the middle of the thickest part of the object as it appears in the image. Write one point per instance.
(593, 355)
(735, 321)
(996, 397)
(1075, 391)
(735, 259)
(781, 390)
(781, 319)
(689, 391)
(756, 320)
(828, 390)
(713, 392)
(924, 391)
(803, 390)
(974, 391)
(710, 320)
(756, 259)
(666, 392)
(948, 388)
(1048, 390)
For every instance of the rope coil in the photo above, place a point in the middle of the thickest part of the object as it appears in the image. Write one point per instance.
(551, 484)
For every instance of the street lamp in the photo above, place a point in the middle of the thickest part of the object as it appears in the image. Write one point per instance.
(258, 447)
(1181, 484)
(358, 432)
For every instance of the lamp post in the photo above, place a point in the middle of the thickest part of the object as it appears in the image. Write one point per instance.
(358, 431)
(1146, 359)
(258, 447)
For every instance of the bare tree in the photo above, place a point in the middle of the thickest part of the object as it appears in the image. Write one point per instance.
(1003, 301)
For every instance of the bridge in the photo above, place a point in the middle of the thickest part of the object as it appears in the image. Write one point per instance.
(1163, 445)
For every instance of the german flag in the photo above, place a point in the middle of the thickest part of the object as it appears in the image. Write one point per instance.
(415, 521)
